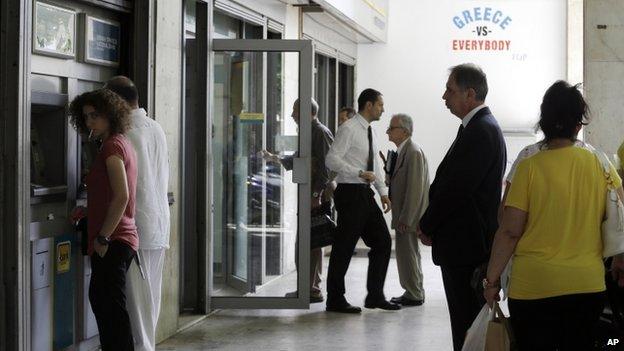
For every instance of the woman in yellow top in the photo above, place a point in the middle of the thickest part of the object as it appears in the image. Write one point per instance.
(551, 227)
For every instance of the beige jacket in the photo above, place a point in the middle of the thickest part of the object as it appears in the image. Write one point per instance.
(409, 186)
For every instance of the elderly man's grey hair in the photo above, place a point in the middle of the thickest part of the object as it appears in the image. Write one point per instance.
(315, 106)
(406, 122)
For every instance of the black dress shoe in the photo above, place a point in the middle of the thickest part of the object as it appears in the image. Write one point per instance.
(346, 308)
(382, 304)
(403, 301)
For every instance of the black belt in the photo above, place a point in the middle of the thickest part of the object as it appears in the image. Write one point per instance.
(355, 185)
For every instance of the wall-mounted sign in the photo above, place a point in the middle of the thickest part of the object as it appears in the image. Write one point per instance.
(483, 29)
(102, 41)
(518, 45)
(54, 30)
(63, 257)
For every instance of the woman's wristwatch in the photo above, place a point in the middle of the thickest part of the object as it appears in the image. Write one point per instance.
(102, 240)
(487, 284)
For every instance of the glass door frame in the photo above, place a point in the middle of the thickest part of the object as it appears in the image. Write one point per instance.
(301, 173)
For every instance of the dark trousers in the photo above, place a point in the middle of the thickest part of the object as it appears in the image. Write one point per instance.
(108, 298)
(463, 301)
(358, 216)
(558, 323)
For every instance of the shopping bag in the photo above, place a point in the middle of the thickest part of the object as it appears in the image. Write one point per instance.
(476, 335)
(498, 336)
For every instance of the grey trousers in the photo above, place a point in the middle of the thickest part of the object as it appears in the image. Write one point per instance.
(409, 265)
(316, 269)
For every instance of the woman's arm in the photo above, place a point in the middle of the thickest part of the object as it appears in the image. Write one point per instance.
(119, 184)
(505, 240)
(501, 207)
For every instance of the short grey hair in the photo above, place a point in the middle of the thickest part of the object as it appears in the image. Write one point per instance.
(315, 106)
(406, 122)
(469, 75)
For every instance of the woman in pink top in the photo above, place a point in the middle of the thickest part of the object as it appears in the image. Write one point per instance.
(111, 189)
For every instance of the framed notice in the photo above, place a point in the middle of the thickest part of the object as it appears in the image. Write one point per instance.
(54, 30)
(102, 41)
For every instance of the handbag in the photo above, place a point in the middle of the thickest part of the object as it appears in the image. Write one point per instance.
(613, 223)
(322, 226)
(499, 335)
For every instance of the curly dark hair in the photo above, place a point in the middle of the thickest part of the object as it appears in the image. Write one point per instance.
(562, 111)
(112, 106)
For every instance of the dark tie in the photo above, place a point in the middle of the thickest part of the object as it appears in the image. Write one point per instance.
(369, 162)
(393, 160)
(459, 133)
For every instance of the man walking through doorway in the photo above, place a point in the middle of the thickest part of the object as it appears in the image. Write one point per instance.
(352, 157)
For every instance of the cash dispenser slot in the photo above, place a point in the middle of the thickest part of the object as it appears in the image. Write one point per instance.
(48, 134)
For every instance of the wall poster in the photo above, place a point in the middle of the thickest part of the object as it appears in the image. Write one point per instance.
(54, 31)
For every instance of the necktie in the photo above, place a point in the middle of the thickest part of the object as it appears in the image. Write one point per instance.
(369, 162)
(392, 160)
(459, 133)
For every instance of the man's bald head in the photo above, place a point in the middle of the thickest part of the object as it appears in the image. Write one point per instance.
(125, 88)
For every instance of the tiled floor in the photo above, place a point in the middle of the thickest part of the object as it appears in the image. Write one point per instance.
(415, 328)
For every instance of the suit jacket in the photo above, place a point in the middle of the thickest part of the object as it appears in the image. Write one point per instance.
(409, 186)
(463, 200)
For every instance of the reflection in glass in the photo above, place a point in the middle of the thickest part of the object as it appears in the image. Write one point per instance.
(254, 221)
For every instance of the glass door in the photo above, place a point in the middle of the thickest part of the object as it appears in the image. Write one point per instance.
(261, 203)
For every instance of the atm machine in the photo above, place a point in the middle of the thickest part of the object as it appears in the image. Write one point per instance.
(56, 269)
(61, 316)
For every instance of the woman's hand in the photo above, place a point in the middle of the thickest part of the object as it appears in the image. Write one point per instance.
(99, 248)
(491, 295)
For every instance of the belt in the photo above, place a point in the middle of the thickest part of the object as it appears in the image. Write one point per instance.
(355, 185)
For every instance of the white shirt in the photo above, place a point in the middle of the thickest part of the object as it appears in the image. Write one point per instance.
(348, 154)
(402, 146)
(471, 114)
(152, 206)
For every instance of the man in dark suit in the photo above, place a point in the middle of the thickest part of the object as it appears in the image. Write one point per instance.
(461, 220)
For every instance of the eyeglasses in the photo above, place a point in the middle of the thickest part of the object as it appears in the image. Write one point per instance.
(393, 127)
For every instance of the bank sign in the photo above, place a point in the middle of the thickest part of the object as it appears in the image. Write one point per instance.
(482, 29)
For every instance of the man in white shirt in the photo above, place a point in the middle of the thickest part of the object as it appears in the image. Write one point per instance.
(151, 216)
(352, 157)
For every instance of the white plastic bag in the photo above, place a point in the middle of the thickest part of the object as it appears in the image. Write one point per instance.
(475, 337)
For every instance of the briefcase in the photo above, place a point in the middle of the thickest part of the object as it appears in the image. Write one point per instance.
(322, 226)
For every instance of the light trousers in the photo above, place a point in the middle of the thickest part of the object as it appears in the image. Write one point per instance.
(143, 297)
(409, 265)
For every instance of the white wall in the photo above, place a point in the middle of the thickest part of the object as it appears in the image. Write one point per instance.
(604, 69)
(167, 107)
(412, 67)
(371, 16)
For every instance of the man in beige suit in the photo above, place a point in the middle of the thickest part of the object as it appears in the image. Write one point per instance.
(408, 178)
